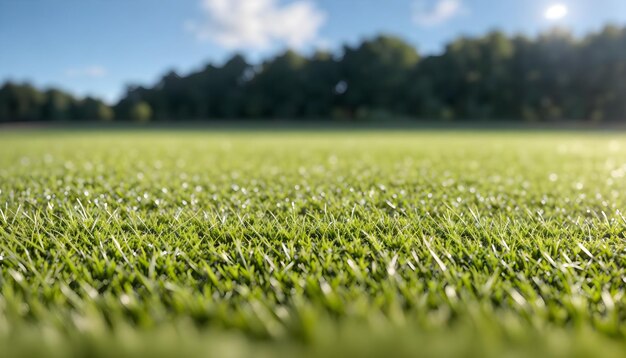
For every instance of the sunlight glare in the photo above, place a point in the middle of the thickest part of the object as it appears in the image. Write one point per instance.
(556, 12)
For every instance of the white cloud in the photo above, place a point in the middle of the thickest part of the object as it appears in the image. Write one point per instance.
(89, 71)
(258, 24)
(435, 12)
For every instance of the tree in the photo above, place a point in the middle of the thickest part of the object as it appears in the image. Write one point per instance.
(322, 77)
(375, 74)
(278, 89)
(57, 105)
(141, 112)
(21, 102)
(92, 109)
(553, 76)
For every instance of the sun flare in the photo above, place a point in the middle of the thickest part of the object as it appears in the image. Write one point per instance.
(556, 12)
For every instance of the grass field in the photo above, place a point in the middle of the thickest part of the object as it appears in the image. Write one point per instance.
(316, 244)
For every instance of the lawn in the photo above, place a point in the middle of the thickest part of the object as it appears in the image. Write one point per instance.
(431, 243)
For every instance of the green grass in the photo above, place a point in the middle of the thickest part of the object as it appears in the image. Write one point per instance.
(259, 244)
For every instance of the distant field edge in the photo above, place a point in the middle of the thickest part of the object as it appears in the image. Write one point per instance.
(346, 125)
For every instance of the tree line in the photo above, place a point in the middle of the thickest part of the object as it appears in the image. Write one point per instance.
(553, 76)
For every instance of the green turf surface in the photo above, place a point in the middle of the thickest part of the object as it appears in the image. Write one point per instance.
(260, 244)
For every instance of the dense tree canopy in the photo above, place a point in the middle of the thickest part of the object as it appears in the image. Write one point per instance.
(23, 102)
(554, 76)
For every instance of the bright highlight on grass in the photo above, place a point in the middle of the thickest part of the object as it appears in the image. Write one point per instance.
(341, 245)
(556, 12)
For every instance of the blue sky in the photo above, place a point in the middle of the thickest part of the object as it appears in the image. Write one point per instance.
(98, 46)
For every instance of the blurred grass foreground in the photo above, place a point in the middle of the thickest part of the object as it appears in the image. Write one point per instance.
(476, 244)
